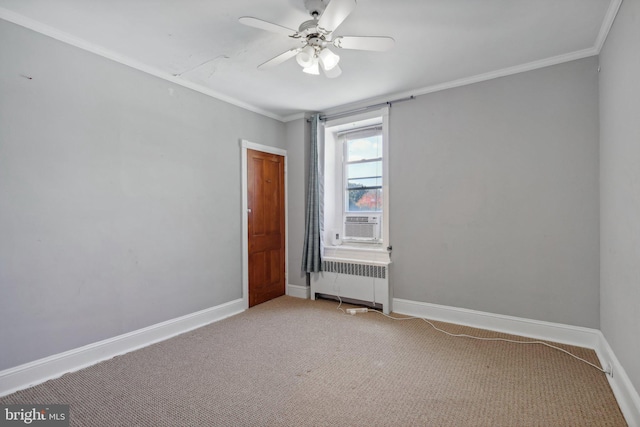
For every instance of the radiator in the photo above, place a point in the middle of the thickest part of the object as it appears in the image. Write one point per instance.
(367, 283)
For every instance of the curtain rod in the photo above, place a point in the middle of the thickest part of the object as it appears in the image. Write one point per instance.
(369, 107)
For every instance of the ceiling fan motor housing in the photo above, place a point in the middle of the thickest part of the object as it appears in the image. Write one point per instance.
(308, 27)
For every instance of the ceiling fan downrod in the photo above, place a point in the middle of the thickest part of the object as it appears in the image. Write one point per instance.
(315, 7)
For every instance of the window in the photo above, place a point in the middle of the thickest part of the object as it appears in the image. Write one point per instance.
(355, 182)
(363, 170)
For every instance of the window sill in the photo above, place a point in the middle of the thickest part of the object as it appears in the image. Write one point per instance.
(375, 254)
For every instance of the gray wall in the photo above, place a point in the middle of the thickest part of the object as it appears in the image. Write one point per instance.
(494, 196)
(297, 137)
(119, 197)
(620, 189)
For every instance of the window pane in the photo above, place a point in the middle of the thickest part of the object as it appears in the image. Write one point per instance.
(375, 181)
(364, 200)
(364, 170)
(364, 148)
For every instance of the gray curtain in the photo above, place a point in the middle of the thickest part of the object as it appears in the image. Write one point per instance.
(311, 252)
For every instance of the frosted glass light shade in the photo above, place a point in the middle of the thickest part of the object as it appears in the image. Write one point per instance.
(328, 59)
(312, 69)
(305, 56)
(334, 72)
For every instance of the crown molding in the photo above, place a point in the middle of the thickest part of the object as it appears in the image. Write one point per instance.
(530, 66)
(39, 27)
(56, 34)
(607, 23)
(296, 116)
(504, 72)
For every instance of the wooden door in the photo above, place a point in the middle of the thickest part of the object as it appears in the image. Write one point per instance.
(266, 226)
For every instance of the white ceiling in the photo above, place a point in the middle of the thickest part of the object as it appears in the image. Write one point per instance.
(439, 43)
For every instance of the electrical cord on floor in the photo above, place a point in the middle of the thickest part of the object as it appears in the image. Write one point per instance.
(473, 337)
(338, 307)
(344, 313)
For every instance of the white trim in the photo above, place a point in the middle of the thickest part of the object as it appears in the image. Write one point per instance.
(34, 25)
(504, 72)
(244, 145)
(334, 206)
(337, 253)
(298, 291)
(245, 225)
(345, 122)
(607, 23)
(67, 38)
(566, 334)
(624, 391)
(292, 117)
(36, 372)
(264, 148)
(386, 179)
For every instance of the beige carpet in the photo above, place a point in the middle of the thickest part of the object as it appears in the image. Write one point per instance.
(293, 362)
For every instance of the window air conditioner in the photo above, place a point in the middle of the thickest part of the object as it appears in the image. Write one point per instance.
(362, 227)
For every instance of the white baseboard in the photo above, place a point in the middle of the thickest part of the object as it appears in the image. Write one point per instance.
(626, 394)
(39, 371)
(566, 334)
(624, 391)
(298, 291)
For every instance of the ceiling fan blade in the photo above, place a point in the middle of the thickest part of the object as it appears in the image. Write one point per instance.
(336, 12)
(279, 59)
(379, 44)
(265, 25)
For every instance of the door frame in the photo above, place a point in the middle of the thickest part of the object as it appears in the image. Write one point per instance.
(245, 145)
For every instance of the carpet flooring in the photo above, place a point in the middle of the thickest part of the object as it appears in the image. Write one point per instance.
(294, 362)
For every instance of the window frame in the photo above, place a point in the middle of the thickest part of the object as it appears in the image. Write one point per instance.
(333, 152)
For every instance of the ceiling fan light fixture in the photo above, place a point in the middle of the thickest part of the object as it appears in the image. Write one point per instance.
(306, 56)
(334, 72)
(316, 35)
(313, 69)
(328, 59)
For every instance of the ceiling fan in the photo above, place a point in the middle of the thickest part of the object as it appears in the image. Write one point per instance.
(316, 35)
